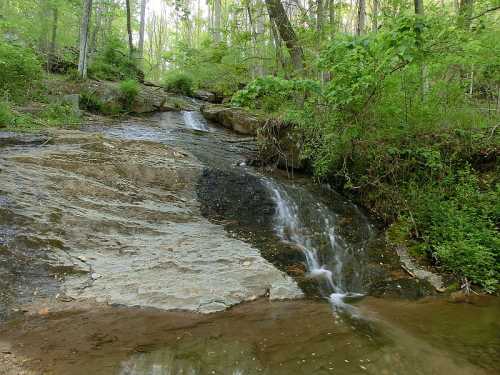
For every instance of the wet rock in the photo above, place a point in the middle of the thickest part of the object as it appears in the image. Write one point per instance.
(462, 297)
(206, 96)
(237, 119)
(281, 146)
(244, 205)
(402, 288)
(118, 222)
(235, 196)
(417, 271)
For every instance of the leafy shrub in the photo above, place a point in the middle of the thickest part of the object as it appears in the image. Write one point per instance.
(56, 114)
(90, 101)
(113, 63)
(273, 93)
(218, 68)
(179, 82)
(456, 219)
(128, 92)
(20, 70)
(6, 115)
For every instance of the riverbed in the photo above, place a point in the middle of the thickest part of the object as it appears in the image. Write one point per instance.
(356, 311)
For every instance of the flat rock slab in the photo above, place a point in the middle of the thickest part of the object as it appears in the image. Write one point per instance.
(118, 221)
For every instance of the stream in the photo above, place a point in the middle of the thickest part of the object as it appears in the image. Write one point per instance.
(306, 230)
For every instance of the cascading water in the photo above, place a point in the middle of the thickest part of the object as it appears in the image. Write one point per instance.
(312, 229)
(195, 120)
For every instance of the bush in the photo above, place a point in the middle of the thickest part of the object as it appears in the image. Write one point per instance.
(59, 115)
(113, 63)
(128, 92)
(6, 116)
(90, 101)
(179, 82)
(20, 70)
(272, 94)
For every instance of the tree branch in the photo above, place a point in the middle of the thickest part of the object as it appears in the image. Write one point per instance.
(486, 11)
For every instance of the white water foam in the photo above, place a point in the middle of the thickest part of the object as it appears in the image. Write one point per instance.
(291, 230)
(195, 120)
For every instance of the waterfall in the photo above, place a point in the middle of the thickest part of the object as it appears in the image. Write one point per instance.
(195, 120)
(311, 228)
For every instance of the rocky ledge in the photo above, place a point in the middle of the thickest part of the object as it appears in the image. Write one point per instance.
(86, 217)
(279, 144)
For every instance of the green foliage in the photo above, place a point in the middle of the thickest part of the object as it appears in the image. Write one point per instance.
(113, 63)
(52, 115)
(457, 221)
(6, 116)
(179, 82)
(90, 101)
(56, 114)
(20, 71)
(128, 92)
(219, 68)
(273, 93)
(396, 128)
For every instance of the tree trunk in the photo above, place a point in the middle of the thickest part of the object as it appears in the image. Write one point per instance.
(375, 16)
(43, 36)
(129, 29)
(98, 14)
(333, 21)
(260, 29)
(360, 24)
(217, 21)
(465, 9)
(419, 7)
(142, 28)
(53, 39)
(320, 17)
(84, 36)
(278, 15)
(277, 45)
(419, 12)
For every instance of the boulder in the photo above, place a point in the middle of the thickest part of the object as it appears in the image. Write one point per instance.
(239, 120)
(149, 99)
(280, 145)
(206, 96)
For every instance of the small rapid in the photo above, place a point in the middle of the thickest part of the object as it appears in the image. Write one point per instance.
(313, 231)
(195, 120)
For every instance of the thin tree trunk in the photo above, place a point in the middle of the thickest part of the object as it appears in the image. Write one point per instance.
(360, 24)
(84, 36)
(465, 9)
(261, 29)
(129, 29)
(320, 16)
(277, 45)
(217, 21)
(96, 29)
(142, 28)
(375, 16)
(419, 12)
(53, 39)
(278, 15)
(43, 37)
(419, 7)
(333, 20)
